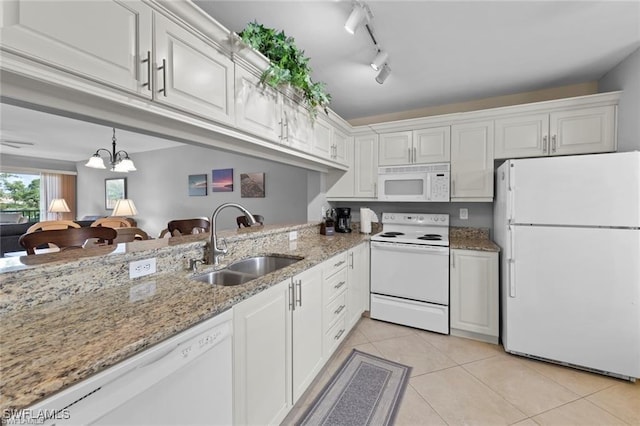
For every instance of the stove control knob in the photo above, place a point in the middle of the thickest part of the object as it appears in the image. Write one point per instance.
(421, 218)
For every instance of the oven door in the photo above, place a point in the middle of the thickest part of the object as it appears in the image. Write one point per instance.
(410, 271)
(402, 187)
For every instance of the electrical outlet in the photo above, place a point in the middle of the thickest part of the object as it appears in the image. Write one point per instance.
(464, 214)
(140, 268)
(293, 235)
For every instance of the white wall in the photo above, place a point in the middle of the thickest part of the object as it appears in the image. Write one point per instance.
(626, 77)
(159, 188)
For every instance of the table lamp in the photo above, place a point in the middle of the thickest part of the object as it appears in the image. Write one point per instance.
(58, 205)
(124, 207)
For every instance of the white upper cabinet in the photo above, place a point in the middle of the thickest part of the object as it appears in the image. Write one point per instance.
(572, 131)
(432, 145)
(191, 74)
(472, 161)
(365, 170)
(422, 146)
(322, 144)
(105, 41)
(297, 126)
(257, 106)
(340, 142)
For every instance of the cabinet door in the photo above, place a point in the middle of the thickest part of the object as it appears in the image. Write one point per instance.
(340, 183)
(191, 74)
(307, 330)
(257, 106)
(340, 147)
(583, 131)
(262, 356)
(524, 136)
(298, 128)
(395, 148)
(358, 283)
(322, 139)
(104, 41)
(366, 166)
(472, 161)
(474, 292)
(432, 145)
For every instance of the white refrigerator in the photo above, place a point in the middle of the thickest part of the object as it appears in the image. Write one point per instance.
(569, 229)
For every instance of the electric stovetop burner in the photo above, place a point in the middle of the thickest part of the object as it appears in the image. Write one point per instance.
(431, 237)
(391, 234)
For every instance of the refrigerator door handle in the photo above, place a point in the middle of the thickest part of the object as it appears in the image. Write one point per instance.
(511, 263)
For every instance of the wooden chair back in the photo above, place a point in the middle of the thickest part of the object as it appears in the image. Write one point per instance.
(243, 221)
(48, 225)
(66, 238)
(113, 222)
(127, 235)
(189, 226)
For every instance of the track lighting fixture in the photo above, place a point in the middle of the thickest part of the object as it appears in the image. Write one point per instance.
(383, 74)
(379, 60)
(357, 16)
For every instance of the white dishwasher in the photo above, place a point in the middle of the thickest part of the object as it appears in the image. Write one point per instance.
(185, 380)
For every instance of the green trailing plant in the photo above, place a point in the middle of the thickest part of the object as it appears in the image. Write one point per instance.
(288, 65)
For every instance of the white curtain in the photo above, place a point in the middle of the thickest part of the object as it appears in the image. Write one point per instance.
(53, 185)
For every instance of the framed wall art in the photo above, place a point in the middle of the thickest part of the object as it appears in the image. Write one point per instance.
(114, 189)
(252, 185)
(197, 185)
(222, 180)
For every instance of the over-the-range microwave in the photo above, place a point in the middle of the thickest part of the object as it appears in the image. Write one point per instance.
(426, 183)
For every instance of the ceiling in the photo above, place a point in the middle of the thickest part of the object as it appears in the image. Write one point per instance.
(440, 52)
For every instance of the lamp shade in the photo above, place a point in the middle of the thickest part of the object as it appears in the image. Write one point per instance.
(59, 205)
(125, 165)
(124, 207)
(96, 162)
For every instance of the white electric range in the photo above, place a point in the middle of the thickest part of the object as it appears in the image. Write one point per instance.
(410, 271)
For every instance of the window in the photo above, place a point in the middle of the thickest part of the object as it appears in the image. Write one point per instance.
(20, 195)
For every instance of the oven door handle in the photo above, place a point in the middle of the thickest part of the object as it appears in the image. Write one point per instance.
(410, 248)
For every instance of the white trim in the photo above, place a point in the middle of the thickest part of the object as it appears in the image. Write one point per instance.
(33, 170)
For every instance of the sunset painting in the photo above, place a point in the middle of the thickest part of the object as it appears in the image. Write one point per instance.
(222, 180)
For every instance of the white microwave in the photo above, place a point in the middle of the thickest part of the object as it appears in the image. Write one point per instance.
(426, 183)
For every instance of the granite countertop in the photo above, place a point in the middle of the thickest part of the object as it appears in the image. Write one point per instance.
(52, 345)
(471, 239)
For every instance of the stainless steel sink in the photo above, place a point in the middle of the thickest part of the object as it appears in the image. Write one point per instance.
(246, 270)
(262, 265)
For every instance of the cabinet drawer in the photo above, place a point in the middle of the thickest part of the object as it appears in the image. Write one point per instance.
(334, 309)
(335, 284)
(335, 336)
(334, 264)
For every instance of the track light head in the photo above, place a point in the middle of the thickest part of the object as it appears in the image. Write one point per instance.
(383, 74)
(357, 16)
(379, 60)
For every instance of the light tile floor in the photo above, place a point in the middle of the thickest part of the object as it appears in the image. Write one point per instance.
(458, 381)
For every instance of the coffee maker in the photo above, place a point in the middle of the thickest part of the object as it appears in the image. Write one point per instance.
(343, 219)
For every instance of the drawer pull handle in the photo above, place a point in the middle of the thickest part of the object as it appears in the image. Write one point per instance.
(339, 263)
(340, 333)
(337, 311)
(340, 284)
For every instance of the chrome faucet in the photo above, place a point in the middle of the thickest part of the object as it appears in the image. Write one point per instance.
(216, 251)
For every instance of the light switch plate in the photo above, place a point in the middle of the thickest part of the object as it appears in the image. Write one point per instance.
(140, 268)
(464, 214)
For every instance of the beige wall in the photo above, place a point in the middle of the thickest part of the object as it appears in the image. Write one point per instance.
(478, 104)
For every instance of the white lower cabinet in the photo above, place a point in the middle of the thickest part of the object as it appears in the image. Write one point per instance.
(358, 283)
(335, 277)
(277, 348)
(474, 301)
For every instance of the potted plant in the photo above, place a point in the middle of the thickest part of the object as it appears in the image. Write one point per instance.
(288, 65)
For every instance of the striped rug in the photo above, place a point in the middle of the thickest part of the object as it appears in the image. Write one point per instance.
(366, 390)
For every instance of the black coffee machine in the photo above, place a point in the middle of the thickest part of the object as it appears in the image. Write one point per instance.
(343, 219)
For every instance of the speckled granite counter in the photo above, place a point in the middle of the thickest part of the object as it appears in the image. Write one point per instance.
(102, 317)
(471, 239)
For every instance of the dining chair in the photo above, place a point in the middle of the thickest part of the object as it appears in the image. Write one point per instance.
(112, 222)
(66, 238)
(127, 235)
(48, 225)
(243, 221)
(188, 226)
